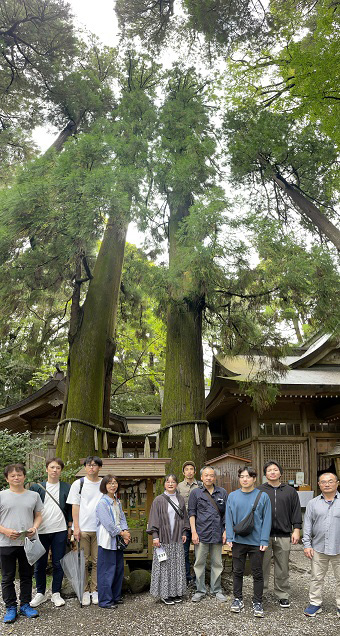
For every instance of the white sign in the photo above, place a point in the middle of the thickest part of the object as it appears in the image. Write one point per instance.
(300, 479)
(161, 554)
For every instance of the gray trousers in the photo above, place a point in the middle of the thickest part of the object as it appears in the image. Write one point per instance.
(201, 553)
(279, 547)
(320, 563)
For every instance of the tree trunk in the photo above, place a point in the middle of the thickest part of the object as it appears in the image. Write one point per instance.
(184, 398)
(305, 205)
(89, 358)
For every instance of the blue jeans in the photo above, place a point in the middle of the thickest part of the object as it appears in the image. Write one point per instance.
(110, 573)
(57, 542)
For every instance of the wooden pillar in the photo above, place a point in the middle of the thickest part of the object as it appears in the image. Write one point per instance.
(149, 500)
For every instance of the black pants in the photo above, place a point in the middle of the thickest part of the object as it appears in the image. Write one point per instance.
(240, 551)
(57, 542)
(9, 557)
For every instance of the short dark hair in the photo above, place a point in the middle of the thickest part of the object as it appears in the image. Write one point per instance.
(250, 470)
(174, 477)
(188, 464)
(105, 481)
(18, 468)
(57, 460)
(93, 458)
(269, 463)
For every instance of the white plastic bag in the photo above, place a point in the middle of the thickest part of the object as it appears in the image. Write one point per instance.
(34, 549)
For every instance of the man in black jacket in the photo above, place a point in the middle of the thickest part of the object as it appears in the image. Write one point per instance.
(286, 516)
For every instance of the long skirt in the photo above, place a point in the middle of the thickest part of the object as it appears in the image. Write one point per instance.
(168, 577)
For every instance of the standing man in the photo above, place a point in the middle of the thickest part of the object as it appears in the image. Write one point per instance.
(239, 505)
(321, 539)
(286, 515)
(20, 516)
(84, 495)
(206, 510)
(185, 488)
(53, 531)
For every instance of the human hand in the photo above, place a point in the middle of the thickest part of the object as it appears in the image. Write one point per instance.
(295, 536)
(31, 532)
(77, 534)
(195, 538)
(263, 548)
(156, 543)
(309, 553)
(230, 544)
(12, 534)
(224, 538)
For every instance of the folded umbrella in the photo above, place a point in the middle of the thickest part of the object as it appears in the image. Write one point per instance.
(73, 565)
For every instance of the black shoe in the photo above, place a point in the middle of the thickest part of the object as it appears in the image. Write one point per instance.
(284, 602)
(111, 606)
(177, 599)
(120, 601)
(168, 601)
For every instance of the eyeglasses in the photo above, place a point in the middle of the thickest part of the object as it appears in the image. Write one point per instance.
(91, 465)
(328, 483)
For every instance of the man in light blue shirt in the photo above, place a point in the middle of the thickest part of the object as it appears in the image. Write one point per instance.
(239, 505)
(321, 540)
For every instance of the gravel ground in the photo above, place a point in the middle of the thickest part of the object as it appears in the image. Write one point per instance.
(142, 616)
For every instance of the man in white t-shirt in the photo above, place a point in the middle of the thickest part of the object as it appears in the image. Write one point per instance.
(84, 496)
(53, 531)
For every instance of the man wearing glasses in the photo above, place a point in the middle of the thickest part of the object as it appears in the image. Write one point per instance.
(84, 496)
(321, 540)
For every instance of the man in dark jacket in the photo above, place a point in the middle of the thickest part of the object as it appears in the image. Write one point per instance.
(206, 510)
(286, 516)
(55, 526)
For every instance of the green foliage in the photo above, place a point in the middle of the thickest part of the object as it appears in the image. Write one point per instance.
(15, 448)
(36, 40)
(140, 339)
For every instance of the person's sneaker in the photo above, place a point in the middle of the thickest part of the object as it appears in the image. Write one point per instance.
(168, 601)
(177, 599)
(221, 597)
(10, 614)
(28, 611)
(57, 599)
(197, 597)
(312, 610)
(338, 612)
(258, 610)
(284, 602)
(38, 599)
(86, 600)
(237, 605)
(94, 597)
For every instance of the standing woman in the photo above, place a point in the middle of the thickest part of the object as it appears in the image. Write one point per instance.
(168, 523)
(111, 522)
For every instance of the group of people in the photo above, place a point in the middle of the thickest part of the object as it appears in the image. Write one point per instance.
(258, 522)
(52, 509)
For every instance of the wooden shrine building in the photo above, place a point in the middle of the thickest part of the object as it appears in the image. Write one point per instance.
(299, 430)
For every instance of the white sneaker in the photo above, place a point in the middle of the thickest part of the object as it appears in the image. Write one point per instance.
(86, 598)
(38, 599)
(94, 597)
(57, 599)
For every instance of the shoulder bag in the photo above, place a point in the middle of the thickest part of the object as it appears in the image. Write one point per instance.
(246, 526)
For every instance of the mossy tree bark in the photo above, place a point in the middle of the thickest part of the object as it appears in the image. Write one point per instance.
(184, 397)
(92, 348)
